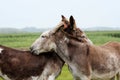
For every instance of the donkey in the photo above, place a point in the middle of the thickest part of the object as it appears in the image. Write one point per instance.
(23, 65)
(47, 66)
(86, 61)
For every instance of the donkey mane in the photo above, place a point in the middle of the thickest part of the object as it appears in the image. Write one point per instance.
(76, 38)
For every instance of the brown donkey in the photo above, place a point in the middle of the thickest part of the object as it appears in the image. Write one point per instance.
(23, 65)
(86, 61)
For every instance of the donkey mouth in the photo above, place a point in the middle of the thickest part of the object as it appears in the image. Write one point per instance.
(34, 52)
(37, 52)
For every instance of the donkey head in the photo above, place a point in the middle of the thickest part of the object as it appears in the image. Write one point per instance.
(47, 40)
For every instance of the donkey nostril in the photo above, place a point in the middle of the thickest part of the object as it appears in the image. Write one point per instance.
(32, 50)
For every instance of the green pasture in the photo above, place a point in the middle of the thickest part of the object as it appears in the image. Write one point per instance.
(24, 40)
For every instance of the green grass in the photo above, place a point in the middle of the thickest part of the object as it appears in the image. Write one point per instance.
(24, 40)
(101, 37)
(19, 40)
(65, 74)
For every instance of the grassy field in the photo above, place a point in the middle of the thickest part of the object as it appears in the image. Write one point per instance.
(24, 40)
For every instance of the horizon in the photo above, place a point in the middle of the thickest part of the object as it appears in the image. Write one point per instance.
(45, 28)
(47, 14)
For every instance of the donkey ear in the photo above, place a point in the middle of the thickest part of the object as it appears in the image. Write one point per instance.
(72, 23)
(65, 22)
(63, 18)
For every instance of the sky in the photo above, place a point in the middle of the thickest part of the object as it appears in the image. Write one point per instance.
(47, 13)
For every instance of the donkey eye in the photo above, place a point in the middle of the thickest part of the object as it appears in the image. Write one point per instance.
(43, 36)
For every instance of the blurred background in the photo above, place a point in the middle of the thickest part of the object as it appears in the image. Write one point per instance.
(39, 15)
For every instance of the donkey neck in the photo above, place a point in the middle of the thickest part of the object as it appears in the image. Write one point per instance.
(70, 52)
(63, 53)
